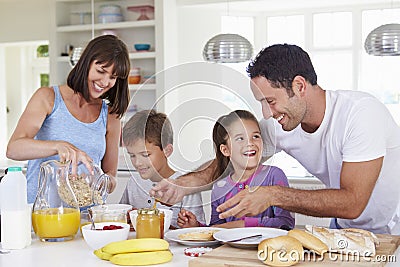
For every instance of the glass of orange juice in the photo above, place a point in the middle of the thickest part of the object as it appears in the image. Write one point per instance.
(56, 224)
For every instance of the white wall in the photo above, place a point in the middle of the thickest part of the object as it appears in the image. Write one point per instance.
(3, 104)
(201, 92)
(24, 20)
(20, 20)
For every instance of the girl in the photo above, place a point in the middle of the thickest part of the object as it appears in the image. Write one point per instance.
(238, 145)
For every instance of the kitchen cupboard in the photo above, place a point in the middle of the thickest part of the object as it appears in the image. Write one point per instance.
(307, 183)
(76, 22)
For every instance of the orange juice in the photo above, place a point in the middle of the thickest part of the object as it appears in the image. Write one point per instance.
(56, 223)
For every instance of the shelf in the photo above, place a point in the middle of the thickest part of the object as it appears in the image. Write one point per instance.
(132, 55)
(144, 87)
(140, 55)
(106, 26)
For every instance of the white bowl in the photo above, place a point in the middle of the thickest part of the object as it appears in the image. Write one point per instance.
(111, 212)
(110, 9)
(98, 238)
(109, 18)
(167, 219)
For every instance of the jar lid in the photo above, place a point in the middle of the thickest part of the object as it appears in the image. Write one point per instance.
(14, 169)
(134, 71)
(148, 211)
(196, 251)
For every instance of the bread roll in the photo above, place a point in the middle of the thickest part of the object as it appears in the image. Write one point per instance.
(309, 241)
(280, 251)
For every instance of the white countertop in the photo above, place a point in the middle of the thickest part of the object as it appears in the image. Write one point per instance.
(73, 253)
(77, 253)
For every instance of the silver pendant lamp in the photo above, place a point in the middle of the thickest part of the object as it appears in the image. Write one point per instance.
(227, 48)
(384, 41)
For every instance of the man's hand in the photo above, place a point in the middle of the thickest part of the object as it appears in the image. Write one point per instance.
(249, 202)
(168, 191)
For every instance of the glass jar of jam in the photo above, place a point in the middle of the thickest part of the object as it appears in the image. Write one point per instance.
(148, 223)
(134, 76)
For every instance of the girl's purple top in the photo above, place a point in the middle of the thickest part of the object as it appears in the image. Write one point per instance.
(265, 175)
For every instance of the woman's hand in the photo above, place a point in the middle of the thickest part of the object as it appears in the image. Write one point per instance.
(69, 152)
(187, 219)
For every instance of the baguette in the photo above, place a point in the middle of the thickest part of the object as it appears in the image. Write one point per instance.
(348, 240)
(309, 241)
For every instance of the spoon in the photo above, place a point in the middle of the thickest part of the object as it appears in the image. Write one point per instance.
(93, 227)
(4, 251)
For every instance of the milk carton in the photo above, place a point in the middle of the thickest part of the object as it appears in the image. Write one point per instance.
(15, 211)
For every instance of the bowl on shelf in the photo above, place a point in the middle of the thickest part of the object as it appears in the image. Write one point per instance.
(98, 237)
(110, 18)
(142, 47)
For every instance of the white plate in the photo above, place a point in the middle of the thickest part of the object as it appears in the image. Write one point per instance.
(235, 233)
(173, 236)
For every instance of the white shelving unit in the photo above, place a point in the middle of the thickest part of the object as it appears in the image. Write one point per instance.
(68, 30)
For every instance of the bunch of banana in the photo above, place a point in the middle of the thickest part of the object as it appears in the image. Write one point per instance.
(143, 251)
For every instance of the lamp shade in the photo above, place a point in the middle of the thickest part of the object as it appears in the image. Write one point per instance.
(227, 48)
(384, 41)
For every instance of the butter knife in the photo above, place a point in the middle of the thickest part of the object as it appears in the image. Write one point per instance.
(243, 238)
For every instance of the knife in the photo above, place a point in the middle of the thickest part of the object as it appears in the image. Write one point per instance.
(243, 238)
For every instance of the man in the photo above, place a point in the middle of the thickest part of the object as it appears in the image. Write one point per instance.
(347, 139)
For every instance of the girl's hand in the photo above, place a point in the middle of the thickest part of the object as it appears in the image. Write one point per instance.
(187, 219)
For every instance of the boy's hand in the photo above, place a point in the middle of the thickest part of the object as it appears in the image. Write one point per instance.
(187, 219)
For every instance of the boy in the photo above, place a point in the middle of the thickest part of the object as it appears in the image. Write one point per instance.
(148, 138)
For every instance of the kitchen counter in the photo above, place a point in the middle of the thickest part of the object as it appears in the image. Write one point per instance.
(72, 253)
(77, 253)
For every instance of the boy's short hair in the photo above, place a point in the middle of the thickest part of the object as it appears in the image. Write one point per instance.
(149, 125)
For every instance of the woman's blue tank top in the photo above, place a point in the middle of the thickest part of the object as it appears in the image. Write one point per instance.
(60, 124)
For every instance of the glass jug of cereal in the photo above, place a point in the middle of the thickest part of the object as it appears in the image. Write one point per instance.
(56, 211)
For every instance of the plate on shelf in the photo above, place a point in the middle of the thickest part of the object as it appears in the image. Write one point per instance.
(226, 235)
(173, 235)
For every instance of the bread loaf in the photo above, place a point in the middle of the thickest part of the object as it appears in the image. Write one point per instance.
(280, 251)
(309, 241)
(348, 240)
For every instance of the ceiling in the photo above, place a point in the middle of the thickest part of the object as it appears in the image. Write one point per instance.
(267, 5)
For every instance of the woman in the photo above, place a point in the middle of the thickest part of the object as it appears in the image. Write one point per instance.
(79, 121)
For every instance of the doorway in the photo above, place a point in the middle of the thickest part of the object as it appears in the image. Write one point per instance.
(24, 66)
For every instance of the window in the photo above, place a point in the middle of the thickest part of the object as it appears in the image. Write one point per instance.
(286, 29)
(332, 30)
(339, 58)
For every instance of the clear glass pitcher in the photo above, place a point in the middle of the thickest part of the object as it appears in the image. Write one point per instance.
(56, 211)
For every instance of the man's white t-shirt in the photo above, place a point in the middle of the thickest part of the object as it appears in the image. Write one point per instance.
(137, 194)
(356, 127)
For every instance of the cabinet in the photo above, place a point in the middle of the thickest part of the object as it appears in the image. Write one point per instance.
(307, 183)
(75, 22)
